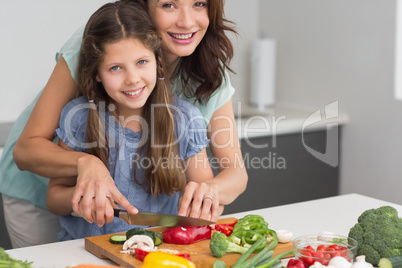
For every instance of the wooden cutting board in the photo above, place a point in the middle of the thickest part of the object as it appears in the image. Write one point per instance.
(199, 251)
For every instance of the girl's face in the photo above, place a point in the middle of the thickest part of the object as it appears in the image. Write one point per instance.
(128, 74)
(181, 24)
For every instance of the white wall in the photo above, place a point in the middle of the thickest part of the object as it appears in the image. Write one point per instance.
(33, 31)
(344, 50)
(31, 34)
(246, 17)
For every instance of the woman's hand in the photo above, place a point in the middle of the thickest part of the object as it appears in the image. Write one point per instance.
(95, 192)
(200, 200)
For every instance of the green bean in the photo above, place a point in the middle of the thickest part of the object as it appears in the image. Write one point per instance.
(247, 254)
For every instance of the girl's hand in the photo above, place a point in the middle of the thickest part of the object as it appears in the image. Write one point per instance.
(95, 192)
(200, 200)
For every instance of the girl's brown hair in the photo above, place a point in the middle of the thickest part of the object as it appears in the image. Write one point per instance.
(206, 66)
(109, 24)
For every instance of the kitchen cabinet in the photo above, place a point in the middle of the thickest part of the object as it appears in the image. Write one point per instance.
(289, 173)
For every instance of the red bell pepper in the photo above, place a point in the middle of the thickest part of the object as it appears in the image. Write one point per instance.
(140, 254)
(186, 235)
(225, 228)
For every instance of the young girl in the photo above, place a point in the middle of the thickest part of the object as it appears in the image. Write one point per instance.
(127, 117)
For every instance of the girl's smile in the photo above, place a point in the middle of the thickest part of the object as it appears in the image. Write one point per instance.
(128, 74)
(134, 93)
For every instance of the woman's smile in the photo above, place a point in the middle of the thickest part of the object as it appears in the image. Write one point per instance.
(182, 25)
(183, 38)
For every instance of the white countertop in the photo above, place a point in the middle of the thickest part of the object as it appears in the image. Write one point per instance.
(335, 214)
(285, 119)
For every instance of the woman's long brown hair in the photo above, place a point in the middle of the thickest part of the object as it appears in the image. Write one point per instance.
(206, 66)
(109, 24)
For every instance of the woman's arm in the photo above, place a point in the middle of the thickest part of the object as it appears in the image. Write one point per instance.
(225, 147)
(60, 192)
(35, 151)
(232, 178)
(193, 202)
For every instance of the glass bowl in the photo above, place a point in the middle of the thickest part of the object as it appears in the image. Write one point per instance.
(323, 247)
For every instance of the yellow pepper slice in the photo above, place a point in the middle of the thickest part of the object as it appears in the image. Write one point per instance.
(166, 260)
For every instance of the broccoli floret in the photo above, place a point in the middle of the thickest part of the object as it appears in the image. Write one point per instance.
(378, 233)
(220, 244)
(387, 210)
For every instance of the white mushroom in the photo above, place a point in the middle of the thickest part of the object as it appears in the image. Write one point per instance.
(284, 236)
(361, 262)
(143, 242)
(340, 262)
(325, 236)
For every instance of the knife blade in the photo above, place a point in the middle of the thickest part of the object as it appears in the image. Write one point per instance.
(156, 219)
(159, 219)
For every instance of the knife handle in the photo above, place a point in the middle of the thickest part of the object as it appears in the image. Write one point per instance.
(117, 211)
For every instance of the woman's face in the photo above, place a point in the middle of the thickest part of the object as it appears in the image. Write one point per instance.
(181, 24)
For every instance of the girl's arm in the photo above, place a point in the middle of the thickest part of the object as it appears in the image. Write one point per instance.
(35, 151)
(60, 191)
(232, 178)
(59, 194)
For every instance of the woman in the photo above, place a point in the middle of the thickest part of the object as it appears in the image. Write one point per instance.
(198, 53)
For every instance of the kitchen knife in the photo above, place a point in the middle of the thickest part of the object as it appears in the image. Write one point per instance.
(156, 219)
(159, 219)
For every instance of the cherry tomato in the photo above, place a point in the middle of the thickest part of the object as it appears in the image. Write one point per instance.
(294, 263)
(321, 248)
(309, 249)
(307, 259)
(325, 261)
(335, 246)
(327, 256)
(343, 251)
(318, 254)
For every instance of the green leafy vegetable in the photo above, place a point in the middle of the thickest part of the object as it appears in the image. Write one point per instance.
(220, 244)
(7, 262)
(378, 233)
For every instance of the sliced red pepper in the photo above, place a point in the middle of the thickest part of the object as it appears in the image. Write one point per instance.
(183, 255)
(225, 228)
(186, 235)
(140, 254)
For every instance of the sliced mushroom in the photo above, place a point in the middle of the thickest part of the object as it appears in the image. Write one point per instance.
(143, 242)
